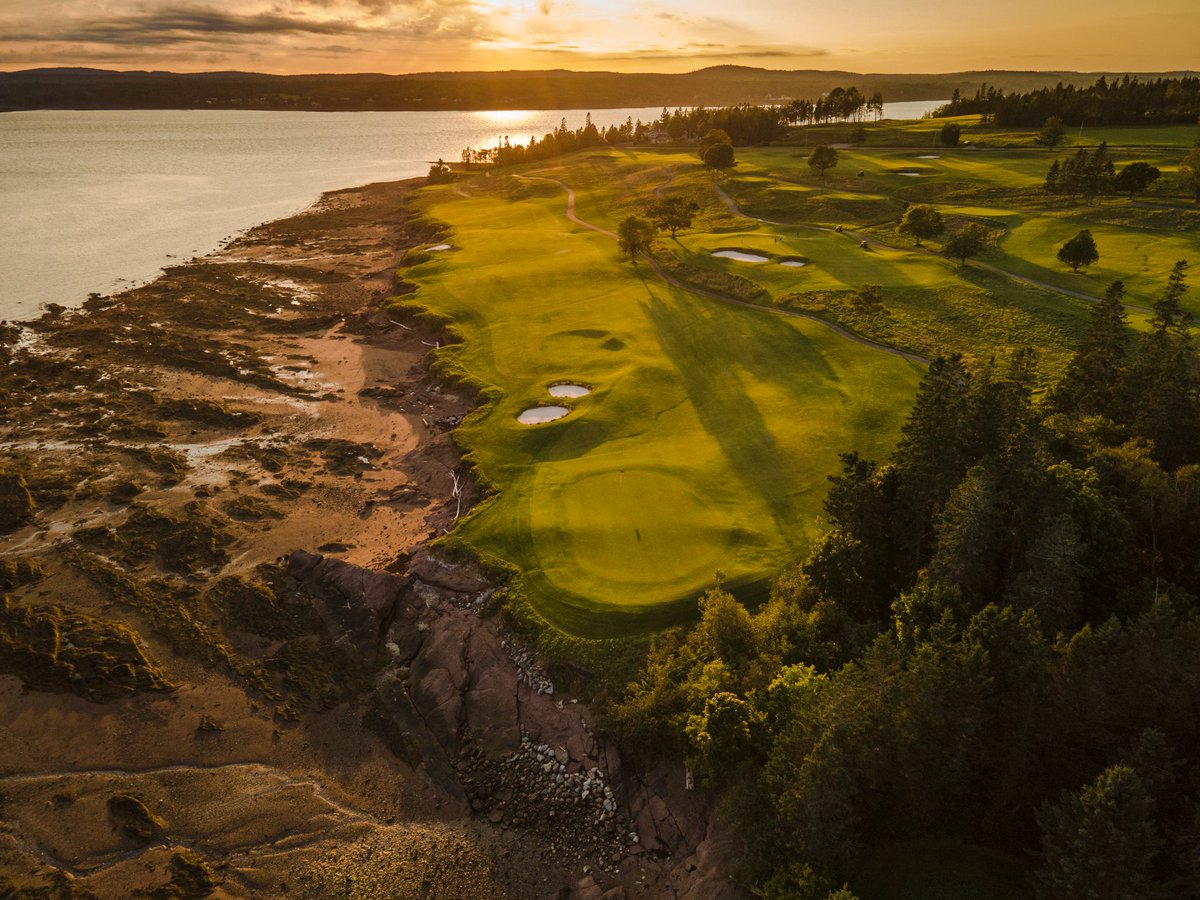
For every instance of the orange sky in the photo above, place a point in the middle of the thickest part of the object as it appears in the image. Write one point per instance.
(396, 36)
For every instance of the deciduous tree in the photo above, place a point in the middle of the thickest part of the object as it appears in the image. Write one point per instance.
(823, 158)
(1136, 177)
(634, 235)
(1080, 251)
(1052, 133)
(673, 214)
(719, 156)
(921, 221)
(968, 241)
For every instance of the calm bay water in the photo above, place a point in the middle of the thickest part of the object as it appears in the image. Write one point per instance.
(95, 201)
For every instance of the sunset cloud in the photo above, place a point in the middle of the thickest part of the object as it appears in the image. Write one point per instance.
(650, 35)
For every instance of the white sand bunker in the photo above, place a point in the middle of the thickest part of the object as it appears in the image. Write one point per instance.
(911, 174)
(569, 390)
(793, 263)
(740, 255)
(929, 156)
(437, 247)
(539, 414)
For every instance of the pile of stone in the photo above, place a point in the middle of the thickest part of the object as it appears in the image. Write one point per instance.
(538, 789)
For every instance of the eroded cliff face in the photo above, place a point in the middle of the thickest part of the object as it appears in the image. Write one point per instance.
(191, 705)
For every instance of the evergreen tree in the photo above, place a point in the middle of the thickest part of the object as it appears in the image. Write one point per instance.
(1090, 385)
(1101, 843)
(931, 456)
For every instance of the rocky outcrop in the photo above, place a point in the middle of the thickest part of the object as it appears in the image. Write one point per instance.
(465, 702)
(16, 503)
(358, 604)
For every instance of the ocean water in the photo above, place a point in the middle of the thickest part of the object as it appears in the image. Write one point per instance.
(99, 200)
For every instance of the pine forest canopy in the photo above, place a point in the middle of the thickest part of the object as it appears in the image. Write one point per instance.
(1125, 101)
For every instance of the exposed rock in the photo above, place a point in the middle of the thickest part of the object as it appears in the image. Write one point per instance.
(463, 578)
(359, 603)
(133, 818)
(16, 503)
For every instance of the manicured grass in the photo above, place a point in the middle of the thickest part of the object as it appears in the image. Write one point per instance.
(711, 428)
(707, 439)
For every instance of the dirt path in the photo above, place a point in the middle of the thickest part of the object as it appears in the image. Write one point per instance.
(725, 298)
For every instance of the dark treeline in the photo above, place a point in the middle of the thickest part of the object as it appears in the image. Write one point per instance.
(996, 639)
(554, 89)
(1124, 101)
(743, 124)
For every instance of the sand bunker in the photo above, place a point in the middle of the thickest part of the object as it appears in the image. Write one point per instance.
(569, 390)
(929, 156)
(911, 174)
(793, 263)
(740, 255)
(437, 247)
(538, 414)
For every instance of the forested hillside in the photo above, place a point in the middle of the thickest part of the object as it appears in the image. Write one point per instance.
(996, 638)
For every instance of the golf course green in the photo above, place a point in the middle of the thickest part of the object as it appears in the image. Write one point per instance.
(723, 388)
(704, 445)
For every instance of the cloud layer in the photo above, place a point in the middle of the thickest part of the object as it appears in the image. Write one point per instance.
(663, 35)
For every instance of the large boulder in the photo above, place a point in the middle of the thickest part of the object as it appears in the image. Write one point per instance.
(359, 604)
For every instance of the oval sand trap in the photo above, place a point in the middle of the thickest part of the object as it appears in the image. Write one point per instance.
(929, 156)
(740, 256)
(536, 415)
(438, 247)
(911, 174)
(569, 390)
(793, 263)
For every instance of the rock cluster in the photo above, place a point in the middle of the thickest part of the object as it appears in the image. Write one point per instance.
(574, 813)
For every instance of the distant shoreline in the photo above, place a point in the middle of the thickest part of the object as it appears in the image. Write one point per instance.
(90, 89)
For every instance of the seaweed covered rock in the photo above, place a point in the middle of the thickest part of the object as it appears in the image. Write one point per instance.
(18, 571)
(191, 878)
(133, 818)
(50, 650)
(185, 542)
(16, 503)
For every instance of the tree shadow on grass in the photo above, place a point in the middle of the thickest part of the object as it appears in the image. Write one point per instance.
(710, 358)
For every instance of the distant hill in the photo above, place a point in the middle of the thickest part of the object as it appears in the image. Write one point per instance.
(76, 88)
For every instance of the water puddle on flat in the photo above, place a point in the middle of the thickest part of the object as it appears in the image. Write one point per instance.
(539, 414)
(569, 390)
(740, 255)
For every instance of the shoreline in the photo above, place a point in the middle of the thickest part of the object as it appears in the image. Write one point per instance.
(236, 470)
